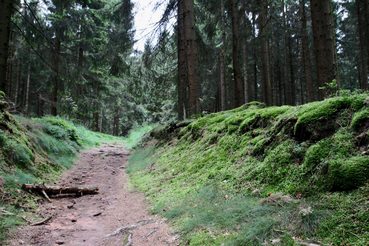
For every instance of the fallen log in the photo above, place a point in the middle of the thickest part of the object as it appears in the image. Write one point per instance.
(56, 191)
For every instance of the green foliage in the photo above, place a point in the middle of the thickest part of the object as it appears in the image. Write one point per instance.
(348, 222)
(203, 180)
(2, 99)
(37, 151)
(140, 160)
(348, 174)
(360, 118)
(16, 151)
(330, 88)
(60, 129)
(135, 135)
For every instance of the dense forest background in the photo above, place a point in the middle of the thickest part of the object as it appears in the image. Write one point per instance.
(75, 58)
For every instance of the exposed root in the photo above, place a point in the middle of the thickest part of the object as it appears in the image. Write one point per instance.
(130, 227)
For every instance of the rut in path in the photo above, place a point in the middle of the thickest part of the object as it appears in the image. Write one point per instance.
(116, 216)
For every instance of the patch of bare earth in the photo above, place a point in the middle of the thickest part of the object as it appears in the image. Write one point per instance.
(116, 216)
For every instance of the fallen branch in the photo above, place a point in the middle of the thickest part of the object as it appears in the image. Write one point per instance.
(129, 240)
(50, 191)
(45, 195)
(4, 212)
(151, 233)
(42, 222)
(130, 227)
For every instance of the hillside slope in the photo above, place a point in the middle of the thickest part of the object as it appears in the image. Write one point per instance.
(263, 175)
(35, 151)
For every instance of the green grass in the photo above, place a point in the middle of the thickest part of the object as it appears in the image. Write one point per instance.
(37, 151)
(135, 135)
(202, 179)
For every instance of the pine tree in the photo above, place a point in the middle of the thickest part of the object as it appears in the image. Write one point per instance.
(324, 42)
(6, 8)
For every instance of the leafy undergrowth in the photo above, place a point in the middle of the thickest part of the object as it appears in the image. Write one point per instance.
(35, 151)
(263, 175)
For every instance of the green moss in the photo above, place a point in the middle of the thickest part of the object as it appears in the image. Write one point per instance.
(318, 111)
(36, 151)
(360, 118)
(61, 129)
(348, 174)
(278, 164)
(202, 181)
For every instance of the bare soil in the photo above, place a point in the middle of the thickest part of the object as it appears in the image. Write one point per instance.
(116, 216)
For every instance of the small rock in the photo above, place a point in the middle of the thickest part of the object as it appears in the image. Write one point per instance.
(256, 192)
(59, 242)
(305, 211)
(97, 214)
(276, 241)
(277, 198)
(1, 183)
(74, 220)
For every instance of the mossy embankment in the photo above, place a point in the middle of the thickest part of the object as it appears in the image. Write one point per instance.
(263, 175)
(35, 151)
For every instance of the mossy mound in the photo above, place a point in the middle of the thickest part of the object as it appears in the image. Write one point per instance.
(35, 151)
(313, 150)
(294, 147)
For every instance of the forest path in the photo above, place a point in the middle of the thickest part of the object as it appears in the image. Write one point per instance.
(116, 216)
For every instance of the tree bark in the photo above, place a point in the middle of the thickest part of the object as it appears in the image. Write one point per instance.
(363, 32)
(222, 85)
(191, 50)
(5, 17)
(236, 51)
(306, 58)
(182, 67)
(324, 42)
(26, 105)
(58, 191)
(56, 76)
(255, 60)
(116, 121)
(266, 84)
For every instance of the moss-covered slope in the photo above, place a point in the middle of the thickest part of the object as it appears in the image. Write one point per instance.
(211, 175)
(35, 151)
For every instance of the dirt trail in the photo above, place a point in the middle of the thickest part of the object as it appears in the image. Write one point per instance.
(117, 216)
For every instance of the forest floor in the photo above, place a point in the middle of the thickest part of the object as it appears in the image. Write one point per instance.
(116, 216)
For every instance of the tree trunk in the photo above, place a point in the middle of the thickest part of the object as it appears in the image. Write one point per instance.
(191, 50)
(248, 90)
(363, 23)
(266, 84)
(292, 82)
(40, 106)
(222, 86)
(182, 67)
(324, 42)
(236, 51)
(17, 83)
(290, 78)
(116, 122)
(26, 105)
(56, 76)
(255, 59)
(5, 17)
(306, 60)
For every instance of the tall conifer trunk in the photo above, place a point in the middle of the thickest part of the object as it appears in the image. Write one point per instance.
(324, 42)
(189, 88)
(363, 31)
(306, 58)
(236, 52)
(5, 17)
(266, 83)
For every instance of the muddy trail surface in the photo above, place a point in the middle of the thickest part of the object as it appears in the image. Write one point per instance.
(116, 216)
